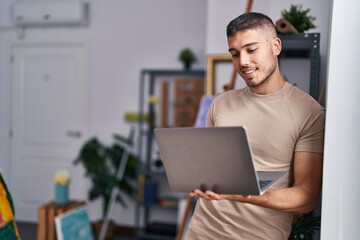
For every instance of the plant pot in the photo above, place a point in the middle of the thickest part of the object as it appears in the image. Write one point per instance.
(61, 194)
(109, 231)
(187, 65)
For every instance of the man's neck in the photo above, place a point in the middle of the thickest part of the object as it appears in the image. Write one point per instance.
(271, 85)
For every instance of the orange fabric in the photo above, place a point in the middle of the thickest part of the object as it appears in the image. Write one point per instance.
(8, 228)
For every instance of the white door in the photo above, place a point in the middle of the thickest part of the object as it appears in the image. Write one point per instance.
(48, 122)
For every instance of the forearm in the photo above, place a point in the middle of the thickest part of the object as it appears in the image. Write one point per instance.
(295, 199)
(299, 199)
(302, 196)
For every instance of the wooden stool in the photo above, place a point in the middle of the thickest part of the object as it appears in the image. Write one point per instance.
(46, 217)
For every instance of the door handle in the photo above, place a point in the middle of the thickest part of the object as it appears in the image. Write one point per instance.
(74, 134)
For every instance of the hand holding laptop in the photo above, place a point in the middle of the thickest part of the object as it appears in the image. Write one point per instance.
(215, 158)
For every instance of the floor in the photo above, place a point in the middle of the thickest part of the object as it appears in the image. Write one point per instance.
(28, 231)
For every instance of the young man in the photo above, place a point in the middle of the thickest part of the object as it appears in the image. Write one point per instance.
(286, 130)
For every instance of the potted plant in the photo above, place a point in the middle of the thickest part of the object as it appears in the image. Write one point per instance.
(101, 163)
(299, 18)
(305, 227)
(187, 57)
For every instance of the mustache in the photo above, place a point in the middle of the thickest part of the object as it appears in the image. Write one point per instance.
(246, 68)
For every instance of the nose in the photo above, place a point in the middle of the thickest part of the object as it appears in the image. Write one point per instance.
(244, 60)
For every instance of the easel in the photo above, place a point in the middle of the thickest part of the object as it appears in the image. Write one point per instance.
(115, 191)
(189, 203)
(189, 200)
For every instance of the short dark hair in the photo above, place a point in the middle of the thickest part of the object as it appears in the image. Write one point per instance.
(247, 21)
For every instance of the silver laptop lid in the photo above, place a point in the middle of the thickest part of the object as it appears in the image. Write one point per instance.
(216, 158)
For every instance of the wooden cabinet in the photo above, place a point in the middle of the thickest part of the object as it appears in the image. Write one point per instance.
(46, 217)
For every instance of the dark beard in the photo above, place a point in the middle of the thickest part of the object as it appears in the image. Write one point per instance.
(265, 79)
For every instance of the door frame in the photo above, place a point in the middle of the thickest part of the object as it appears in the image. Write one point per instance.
(9, 97)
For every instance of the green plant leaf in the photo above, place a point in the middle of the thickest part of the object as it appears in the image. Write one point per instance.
(101, 162)
(299, 18)
(187, 56)
(305, 227)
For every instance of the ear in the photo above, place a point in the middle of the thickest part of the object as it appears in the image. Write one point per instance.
(277, 46)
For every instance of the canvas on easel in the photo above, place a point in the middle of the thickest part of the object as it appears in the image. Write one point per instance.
(202, 111)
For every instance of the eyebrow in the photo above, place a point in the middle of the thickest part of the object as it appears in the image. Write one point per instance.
(246, 45)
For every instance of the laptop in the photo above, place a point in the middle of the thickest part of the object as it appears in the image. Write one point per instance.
(212, 158)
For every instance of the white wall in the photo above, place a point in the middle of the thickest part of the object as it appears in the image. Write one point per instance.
(341, 188)
(126, 36)
(123, 37)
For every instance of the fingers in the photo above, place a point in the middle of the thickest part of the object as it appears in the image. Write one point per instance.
(213, 195)
(208, 195)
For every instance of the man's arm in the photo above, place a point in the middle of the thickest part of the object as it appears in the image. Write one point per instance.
(299, 199)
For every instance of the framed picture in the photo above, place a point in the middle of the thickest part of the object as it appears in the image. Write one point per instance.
(74, 225)
(212, 61)
(221, 74)
(204, 105)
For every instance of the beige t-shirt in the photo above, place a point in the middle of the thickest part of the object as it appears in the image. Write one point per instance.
(277, 124)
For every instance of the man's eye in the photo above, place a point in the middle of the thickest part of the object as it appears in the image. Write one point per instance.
(251, 50)
(235, 55)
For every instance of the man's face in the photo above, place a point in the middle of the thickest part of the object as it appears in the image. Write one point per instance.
(254, 55)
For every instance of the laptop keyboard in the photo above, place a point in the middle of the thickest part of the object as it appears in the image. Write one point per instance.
(264, 183)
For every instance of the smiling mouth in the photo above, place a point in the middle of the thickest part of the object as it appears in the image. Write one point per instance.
(249, 72)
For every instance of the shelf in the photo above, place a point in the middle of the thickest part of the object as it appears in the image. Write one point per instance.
(300, 41)
(173, 72)
(304, 45)
(155, 84)
(148, 172)
(143, 235)
(157, 205)
(158, 231)
(169, 205)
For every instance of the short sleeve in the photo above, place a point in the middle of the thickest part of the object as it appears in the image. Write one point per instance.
(312, 135)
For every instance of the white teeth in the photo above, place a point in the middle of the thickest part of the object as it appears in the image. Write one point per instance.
(250, 71)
